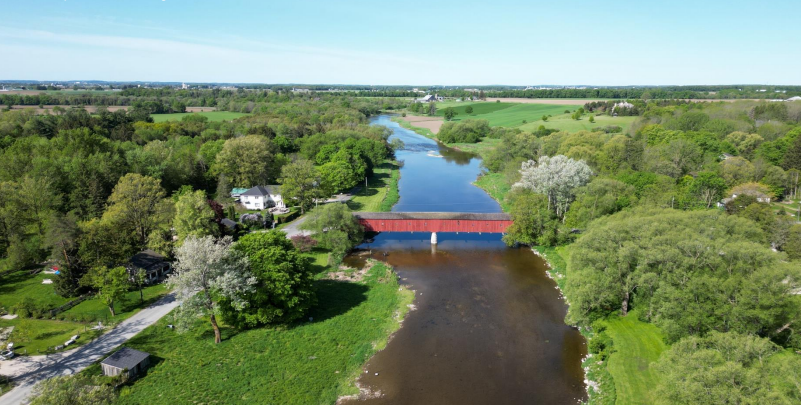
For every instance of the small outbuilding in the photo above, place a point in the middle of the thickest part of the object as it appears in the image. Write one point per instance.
(155, 265)
(125, 361)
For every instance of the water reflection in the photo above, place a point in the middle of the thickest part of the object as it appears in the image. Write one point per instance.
(488, 329)
(435, 178)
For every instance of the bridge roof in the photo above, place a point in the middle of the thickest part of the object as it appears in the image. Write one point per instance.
(463, 216)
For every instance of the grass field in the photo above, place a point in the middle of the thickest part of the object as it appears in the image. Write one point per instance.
(563, 122)
(478, 108)
(45, 333)
(508, 114)
(21, 284)
(35, 335)
(212, 115)
(310, 362)
(496, 186)
(637, 345)
(381, 192)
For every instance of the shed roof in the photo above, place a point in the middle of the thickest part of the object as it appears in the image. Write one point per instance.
(125, 358)
(147, 259)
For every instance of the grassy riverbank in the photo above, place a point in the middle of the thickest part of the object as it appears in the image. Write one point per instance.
(381, 192)
(420, 131)
(496, 185)
(310, 362)
(626, 376)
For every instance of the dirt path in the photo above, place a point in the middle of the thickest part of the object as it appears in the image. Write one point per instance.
(431, 123)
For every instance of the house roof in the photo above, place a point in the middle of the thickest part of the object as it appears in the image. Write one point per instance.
(125, 358)
(147, 259)
(262, 190)
(238, 190)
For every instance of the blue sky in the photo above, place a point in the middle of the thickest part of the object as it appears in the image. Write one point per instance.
(617, 42)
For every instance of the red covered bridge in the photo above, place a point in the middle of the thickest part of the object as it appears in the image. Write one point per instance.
(433, 222)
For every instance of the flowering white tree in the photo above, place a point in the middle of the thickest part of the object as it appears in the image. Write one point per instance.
(207, 271)
(555, 177)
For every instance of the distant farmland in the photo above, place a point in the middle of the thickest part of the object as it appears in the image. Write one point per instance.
(212, 116)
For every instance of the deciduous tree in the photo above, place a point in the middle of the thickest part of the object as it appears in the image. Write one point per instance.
(111, 284)
(207, 271)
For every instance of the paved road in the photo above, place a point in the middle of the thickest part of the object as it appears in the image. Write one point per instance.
(293, 228)
(26, 371)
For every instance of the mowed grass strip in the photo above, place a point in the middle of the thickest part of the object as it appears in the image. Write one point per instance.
(211, 115)
(496, 185)
(310, 362)
(21, 284)
(637, 345)
(564, 122)
(379, 185)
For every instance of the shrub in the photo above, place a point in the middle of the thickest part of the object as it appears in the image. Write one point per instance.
(303, 243)
(467, 131)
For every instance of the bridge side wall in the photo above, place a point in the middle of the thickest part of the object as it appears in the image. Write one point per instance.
(434, 225)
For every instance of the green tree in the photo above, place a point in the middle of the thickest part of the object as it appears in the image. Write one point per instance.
(432, 109)
(707, 187)
(793, 244)
(138, 203)
(468, 109)
(725, 368)
(247, 161)
(75, 389)
(599, 198)
(449, 113)
(792, 158)
(194, 216)
(545, 118)
(301, 183)
(111, 284)
(534, 222)
(335, 228)
(284, 291)
(592, 119)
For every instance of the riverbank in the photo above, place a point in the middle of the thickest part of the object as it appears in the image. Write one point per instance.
(316, 360)
(381, 192)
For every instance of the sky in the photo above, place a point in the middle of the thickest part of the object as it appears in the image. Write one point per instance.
(434, 42)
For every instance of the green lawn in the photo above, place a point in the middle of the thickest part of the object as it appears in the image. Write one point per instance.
(637, 345)
(95, 309)
(18, 285)
(381, 192)
(35, 335)
(212, 115)
(564, 122)
(479, 148)
(310, 362)
(496, 186)
(45, 333)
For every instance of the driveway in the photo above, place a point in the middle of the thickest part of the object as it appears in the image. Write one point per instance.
(26, 371)
(293, 228)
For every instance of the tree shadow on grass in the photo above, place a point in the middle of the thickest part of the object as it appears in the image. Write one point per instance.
(336, 298)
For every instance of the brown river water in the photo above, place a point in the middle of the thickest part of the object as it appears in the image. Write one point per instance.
(488, 327)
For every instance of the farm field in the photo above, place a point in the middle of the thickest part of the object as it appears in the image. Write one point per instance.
(312, 361)
(637, 345)
(564, 122)
(212, 116)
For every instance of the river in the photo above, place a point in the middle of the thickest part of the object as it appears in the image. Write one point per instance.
(489, 324)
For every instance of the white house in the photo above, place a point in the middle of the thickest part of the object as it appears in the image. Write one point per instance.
(262, 197)
(794, 98)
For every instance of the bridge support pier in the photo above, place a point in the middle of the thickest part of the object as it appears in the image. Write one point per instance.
(433, 238)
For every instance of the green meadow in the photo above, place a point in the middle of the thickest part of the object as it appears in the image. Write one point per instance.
(513, 115)
(212, 116)
(637, 346)
(312, 361)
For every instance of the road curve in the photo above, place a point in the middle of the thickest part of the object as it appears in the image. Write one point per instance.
(26, 371)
